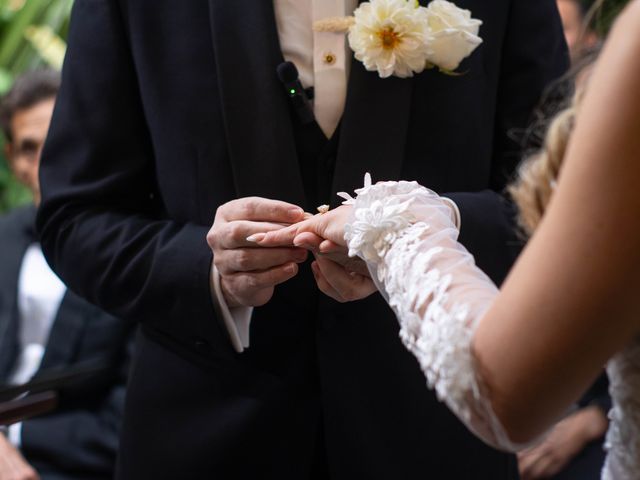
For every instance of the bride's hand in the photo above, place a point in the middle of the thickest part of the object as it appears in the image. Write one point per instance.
(322, 233)
(337, 275)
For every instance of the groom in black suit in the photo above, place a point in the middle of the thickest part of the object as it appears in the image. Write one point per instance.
(171, 115)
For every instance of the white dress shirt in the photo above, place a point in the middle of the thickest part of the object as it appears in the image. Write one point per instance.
(323, 60)
(40, 294)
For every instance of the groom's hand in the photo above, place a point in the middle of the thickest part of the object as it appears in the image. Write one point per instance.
(249, 273)
(322, 234)
(339, 282)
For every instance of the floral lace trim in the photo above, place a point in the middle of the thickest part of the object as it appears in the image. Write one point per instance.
(441, 338)
(379, 217)
(623, 436)
(385, 232)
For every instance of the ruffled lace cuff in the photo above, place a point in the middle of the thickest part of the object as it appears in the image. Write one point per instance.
(408, 238)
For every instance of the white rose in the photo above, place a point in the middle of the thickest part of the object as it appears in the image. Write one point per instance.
(454, 34)
(391, 37)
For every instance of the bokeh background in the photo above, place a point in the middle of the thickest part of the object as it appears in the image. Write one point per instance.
(33, 34)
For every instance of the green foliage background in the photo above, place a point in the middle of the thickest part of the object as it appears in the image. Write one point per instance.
(606, 15)
(23, 47)
(31, 36)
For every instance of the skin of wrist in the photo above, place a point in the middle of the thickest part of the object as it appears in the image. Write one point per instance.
(593, 422)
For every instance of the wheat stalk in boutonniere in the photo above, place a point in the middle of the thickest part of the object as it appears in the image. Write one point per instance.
(401, 37)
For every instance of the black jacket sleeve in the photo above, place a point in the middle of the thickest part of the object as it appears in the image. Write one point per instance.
(99, 196)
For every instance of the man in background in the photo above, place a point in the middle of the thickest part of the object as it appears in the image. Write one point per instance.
(580, 36)
(44, 326)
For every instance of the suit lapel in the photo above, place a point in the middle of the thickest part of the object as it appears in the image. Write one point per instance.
(374, 129)
(15, 242)
(256, 111)
(8, 331)
(66, 331)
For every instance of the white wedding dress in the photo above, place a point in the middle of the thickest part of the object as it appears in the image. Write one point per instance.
(407, 236)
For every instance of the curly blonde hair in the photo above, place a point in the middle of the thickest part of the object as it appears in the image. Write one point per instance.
(536, 177)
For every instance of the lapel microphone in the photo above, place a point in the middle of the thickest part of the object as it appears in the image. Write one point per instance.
(288, 76)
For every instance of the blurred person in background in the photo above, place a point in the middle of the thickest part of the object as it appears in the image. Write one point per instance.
(574, 448)
(45, 326)
(580, 35)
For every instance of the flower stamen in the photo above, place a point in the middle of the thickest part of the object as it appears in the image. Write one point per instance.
(389, 38)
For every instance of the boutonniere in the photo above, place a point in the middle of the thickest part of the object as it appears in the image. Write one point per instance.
(401, 37)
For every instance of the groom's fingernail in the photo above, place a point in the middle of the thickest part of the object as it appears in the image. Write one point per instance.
(256, 237)
(295, 213)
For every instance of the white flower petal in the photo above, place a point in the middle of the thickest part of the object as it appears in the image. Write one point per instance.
(454, 34)
(403, 24)
(450, 47)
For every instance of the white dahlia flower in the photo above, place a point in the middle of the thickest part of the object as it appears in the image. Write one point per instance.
(391, 37)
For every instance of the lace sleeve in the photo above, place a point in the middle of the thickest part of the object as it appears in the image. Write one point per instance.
(407, 236)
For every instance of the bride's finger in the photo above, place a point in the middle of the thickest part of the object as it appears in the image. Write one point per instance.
(327, 246)
(285, 236)
(308, 240)
(277, 238)
(329, 226)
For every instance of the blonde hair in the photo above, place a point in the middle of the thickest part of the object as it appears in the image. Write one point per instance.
(537, 176)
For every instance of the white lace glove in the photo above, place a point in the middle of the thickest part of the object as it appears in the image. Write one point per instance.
(408, 238)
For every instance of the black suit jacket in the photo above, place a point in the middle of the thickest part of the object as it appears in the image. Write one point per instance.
(169, 109)
(79, 440)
